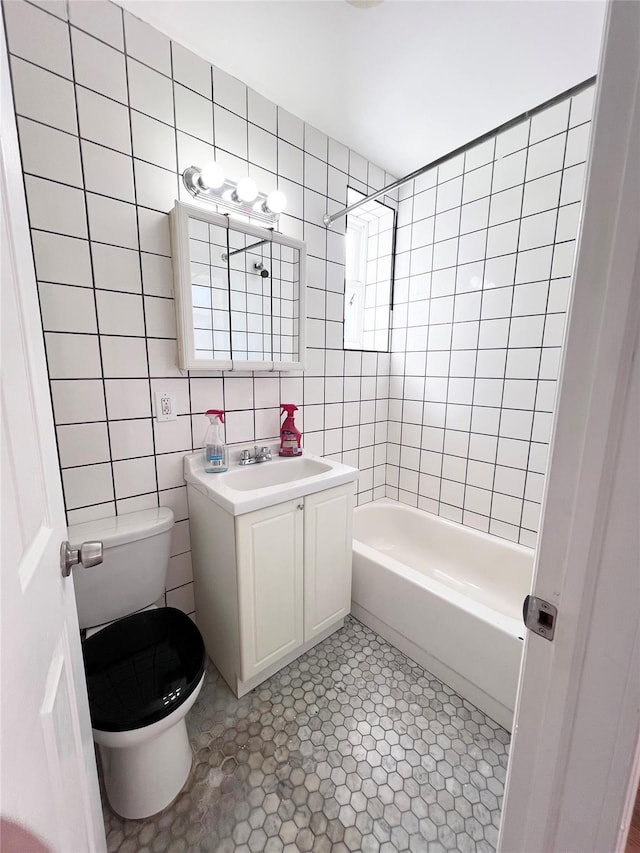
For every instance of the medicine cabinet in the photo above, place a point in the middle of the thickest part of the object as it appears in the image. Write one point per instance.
(239, 293)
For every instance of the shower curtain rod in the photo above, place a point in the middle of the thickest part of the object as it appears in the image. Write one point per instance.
(329, 219)
(226, 255)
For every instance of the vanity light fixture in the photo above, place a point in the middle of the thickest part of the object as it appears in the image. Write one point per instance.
(209, 184)
(247, 190)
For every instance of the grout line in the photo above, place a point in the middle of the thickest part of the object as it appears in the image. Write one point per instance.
(141, 268)
(92, 267)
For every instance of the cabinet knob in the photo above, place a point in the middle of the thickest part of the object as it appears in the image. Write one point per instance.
(300, 506)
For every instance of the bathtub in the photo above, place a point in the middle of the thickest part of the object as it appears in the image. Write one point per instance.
(447, 596)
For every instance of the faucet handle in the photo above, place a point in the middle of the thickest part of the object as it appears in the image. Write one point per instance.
(265, 452)
(245, 456)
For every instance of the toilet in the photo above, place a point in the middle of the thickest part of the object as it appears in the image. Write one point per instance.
(144, 664)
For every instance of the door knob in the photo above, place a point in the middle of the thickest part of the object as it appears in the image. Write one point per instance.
(89, 554)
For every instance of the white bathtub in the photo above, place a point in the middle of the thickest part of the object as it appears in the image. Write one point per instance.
(447, 596)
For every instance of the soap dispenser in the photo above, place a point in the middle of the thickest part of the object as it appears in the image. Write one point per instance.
(215, 450)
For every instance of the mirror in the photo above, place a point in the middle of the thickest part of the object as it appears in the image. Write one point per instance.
(239, 293)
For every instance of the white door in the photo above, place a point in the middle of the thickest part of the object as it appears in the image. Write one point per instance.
(327, 558)
(270, 577)
(577, 715)
(49, 779)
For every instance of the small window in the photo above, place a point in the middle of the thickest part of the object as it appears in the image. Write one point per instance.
(368, 275)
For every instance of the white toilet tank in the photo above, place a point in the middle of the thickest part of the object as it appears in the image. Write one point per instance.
(133, 571)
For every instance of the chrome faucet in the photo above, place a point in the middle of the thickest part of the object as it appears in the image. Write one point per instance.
(262, 455)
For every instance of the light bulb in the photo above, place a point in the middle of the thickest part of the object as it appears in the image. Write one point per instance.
(276, 201)
(246, 189)
(212, 176)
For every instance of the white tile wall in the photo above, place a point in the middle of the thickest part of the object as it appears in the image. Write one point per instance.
(484, 258)
(110, 111)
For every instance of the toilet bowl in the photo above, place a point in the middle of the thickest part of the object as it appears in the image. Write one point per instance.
(144, 664)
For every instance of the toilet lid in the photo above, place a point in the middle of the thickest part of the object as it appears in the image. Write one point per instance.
(141, 668)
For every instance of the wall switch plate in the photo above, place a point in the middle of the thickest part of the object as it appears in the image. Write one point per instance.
(165, 406)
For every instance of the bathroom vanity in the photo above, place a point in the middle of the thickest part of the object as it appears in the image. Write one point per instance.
(271, 548)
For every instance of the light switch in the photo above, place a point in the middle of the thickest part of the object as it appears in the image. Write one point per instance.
(165, 406)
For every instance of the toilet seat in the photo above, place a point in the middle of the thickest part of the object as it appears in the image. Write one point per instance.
(141, 668)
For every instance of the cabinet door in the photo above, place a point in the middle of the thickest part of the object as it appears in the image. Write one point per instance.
(327, 558)
(270, 578)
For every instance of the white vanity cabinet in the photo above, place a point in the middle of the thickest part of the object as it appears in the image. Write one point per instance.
(271, 583)
(271, 577)
(327, 559)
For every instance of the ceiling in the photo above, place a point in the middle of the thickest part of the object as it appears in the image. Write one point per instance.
(403, 82)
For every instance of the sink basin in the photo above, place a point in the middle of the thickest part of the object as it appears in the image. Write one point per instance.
(244, 488)
(263, 474)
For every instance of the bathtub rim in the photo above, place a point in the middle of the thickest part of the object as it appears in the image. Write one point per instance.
(490, 538)
(509, 624)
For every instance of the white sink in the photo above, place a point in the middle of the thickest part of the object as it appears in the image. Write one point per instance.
(263, 474)
(244, 488)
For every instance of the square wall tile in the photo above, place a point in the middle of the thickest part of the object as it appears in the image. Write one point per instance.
(155, 188)
(112, 221)
(157, 276)
(134, 477)
(229, 92)
(150, 92)
(49, 153)
(120, 313)
(154, 232)
(78, 400)
(99, 67)
(131, 438)
(191, 70)
(103, 120)
(99, 18)
(43, 96)
(72, 356)
(38, 37)
(61, 259)
(124, 358)
(82, 444)
(194, 113)
(67, 309)
(107, 172)
(115, 268)
(55, 207)
(510, 171)
(87, 485)
(153, 141)
(291, 128)
(546, 157)
(262, 112)
(182, 598)
(550, 122)
(147, 44)
(160, 317)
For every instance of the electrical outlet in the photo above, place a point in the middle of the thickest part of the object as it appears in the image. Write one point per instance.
(165, 406)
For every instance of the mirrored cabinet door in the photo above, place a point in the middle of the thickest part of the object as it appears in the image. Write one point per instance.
(239, 293)
(209, 291)
(250, 291)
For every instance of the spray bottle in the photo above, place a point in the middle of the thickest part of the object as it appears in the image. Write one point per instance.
(215, 450)
(290, 435)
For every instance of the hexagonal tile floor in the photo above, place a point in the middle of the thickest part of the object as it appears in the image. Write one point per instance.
(351, 747)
